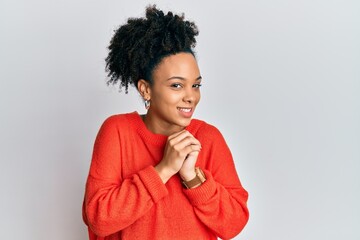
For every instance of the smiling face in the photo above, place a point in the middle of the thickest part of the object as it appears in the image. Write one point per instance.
(173, 95)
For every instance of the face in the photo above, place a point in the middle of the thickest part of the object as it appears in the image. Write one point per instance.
(174, 93)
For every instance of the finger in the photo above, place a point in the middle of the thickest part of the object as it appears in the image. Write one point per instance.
(187, 141)
(175, 135)
(179, 137)
(192, 149)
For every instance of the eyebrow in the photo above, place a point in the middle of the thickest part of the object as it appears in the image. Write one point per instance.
(182, 78)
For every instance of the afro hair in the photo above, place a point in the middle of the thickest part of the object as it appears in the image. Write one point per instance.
(138, 46)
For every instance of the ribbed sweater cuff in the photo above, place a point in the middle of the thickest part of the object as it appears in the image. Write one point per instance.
(153, 183)
(202, 194)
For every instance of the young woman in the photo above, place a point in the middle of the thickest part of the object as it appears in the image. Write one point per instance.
(162, 175)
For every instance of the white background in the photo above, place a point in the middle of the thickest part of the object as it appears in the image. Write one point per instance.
(281, 81)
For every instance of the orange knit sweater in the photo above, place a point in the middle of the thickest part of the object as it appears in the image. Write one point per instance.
(126, 199)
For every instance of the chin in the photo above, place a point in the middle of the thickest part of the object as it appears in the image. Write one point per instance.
(184, 122)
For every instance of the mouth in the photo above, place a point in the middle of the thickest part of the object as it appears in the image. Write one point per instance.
(185, 112)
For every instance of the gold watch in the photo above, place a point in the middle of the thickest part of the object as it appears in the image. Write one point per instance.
(198, 180)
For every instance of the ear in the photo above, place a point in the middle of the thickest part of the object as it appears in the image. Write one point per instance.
(144, 89)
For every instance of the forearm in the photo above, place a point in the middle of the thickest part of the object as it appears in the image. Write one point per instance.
(111, 207)
(223, 210)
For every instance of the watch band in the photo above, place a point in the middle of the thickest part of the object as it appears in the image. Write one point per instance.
(197, 180)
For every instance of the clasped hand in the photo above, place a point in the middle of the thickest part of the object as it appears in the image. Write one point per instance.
(180, 156)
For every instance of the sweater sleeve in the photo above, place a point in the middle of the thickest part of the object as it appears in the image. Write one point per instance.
(111, 202)
(221, 201)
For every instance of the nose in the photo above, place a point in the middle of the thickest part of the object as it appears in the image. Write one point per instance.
(189, 96)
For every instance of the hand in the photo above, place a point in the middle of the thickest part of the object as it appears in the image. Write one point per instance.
(180, 152)
(187, 170)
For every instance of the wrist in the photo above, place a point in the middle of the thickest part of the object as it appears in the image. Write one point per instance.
(164, 174)
(198, 180)
(189, 175)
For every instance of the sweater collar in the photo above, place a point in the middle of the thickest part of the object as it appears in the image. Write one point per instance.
(146, 134)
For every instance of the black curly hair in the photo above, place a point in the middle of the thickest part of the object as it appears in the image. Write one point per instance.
(139, 46)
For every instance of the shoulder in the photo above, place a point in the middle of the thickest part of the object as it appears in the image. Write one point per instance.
(120, 119)
(202, 129)
(210, 137)
(116, 122)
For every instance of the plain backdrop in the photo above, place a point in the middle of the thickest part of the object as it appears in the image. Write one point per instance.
(281, 82)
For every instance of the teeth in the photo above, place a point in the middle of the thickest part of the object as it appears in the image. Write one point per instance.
(185, 109)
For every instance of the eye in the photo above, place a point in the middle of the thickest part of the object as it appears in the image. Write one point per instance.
(197, 85)
(176, 85)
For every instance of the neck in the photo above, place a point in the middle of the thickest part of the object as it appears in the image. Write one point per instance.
(158, 127)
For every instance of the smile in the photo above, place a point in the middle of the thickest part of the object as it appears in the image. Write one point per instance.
(186, 110)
